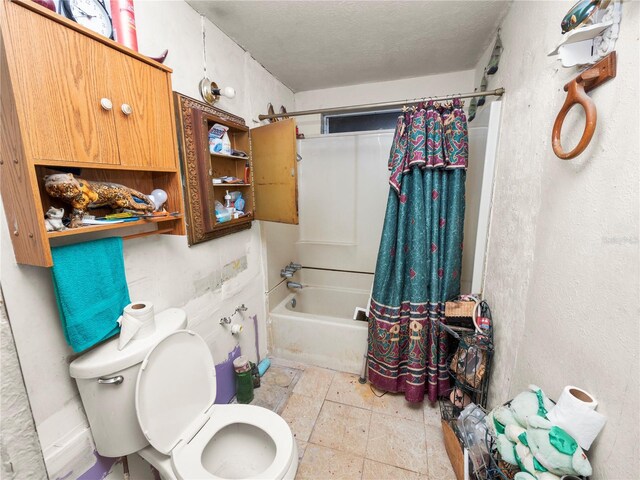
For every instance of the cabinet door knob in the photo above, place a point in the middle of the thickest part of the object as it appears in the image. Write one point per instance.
(106, 104)
(126, 109)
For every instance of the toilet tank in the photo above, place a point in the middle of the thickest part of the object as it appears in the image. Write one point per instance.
(106, 379)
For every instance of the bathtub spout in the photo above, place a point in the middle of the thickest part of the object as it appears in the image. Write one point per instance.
(294, 285)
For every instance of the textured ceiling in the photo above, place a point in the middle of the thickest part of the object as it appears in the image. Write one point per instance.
(318, 44)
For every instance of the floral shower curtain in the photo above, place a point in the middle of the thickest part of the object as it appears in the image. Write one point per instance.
(420, 254)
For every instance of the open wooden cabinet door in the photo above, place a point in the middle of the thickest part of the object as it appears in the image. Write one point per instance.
(275, 173)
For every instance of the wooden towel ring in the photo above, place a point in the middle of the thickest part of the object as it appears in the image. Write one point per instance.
(577, 90)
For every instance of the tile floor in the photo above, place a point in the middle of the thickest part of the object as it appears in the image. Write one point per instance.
(345, 431)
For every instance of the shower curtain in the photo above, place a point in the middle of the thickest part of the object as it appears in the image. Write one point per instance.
(420, 254)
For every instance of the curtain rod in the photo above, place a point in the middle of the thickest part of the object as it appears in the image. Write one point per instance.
(369, 106)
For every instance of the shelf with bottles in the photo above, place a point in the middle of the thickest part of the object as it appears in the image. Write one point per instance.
(233, 157)
(230, 185)
(232, 169)
(246, 218)
(268, 171)
(238, 138)
(228, 165)
(219, 195)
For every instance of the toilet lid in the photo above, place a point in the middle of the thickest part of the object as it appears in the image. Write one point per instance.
(176, 385)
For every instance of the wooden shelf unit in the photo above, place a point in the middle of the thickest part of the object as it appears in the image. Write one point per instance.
(143, 181)
(114, 226)
(271, 194)
(222, 165)
(76, 69)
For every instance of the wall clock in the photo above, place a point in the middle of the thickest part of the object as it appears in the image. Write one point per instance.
(89, 13)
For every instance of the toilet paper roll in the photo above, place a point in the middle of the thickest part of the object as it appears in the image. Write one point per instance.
(139, 309)
(143, 314)
(137, 321)
(575, 413)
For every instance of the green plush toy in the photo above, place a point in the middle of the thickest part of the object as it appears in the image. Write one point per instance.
(498, 419)
(524, 457)
(526, 438)
(506, 449)
(523, 476)
(557, 451)
(540, 476)
(530, 403)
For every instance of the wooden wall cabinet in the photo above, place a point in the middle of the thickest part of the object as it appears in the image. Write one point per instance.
(271, 194)
(77, 93)
(74, 99)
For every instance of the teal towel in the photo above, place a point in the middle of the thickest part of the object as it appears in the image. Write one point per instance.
(91, 290)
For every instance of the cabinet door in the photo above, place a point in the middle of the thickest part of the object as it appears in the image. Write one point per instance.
(62, 69)
(146, 133)
(275, 183)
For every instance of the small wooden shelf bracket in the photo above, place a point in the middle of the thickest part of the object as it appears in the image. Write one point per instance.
(577, 90)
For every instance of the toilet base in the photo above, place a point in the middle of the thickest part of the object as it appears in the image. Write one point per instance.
(163, 463)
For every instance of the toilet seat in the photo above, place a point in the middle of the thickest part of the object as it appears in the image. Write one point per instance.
(174, 399)
(187, 458)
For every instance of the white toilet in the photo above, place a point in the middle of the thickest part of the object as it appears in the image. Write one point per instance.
(156, 398)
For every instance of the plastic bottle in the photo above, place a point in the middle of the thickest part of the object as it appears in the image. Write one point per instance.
(263, 366)
(239, 204)
(244, 379)
(228, 204)
(247, 173)
(222, 214)
(226, 144)
(219, 140)
(255, 375)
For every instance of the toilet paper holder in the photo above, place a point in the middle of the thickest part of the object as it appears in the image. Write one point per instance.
(227, 320)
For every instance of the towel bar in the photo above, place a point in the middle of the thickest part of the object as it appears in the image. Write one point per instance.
(577, 90)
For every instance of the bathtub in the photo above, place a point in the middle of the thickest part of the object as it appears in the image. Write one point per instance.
(315, 325)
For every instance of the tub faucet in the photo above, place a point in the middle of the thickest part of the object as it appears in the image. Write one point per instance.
(289, 270)
(294, 285)
(284, 273)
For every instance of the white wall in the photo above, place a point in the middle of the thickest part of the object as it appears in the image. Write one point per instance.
(204, 280)
(562, 270)
(343, 184)
(20, 454)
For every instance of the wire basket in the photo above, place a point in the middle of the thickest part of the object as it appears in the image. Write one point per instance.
(470, 364)
(470, 367)
(488, 465)
(459, 308)
(448, 411)
(485, 467)
(496, 468)
(452, 437)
